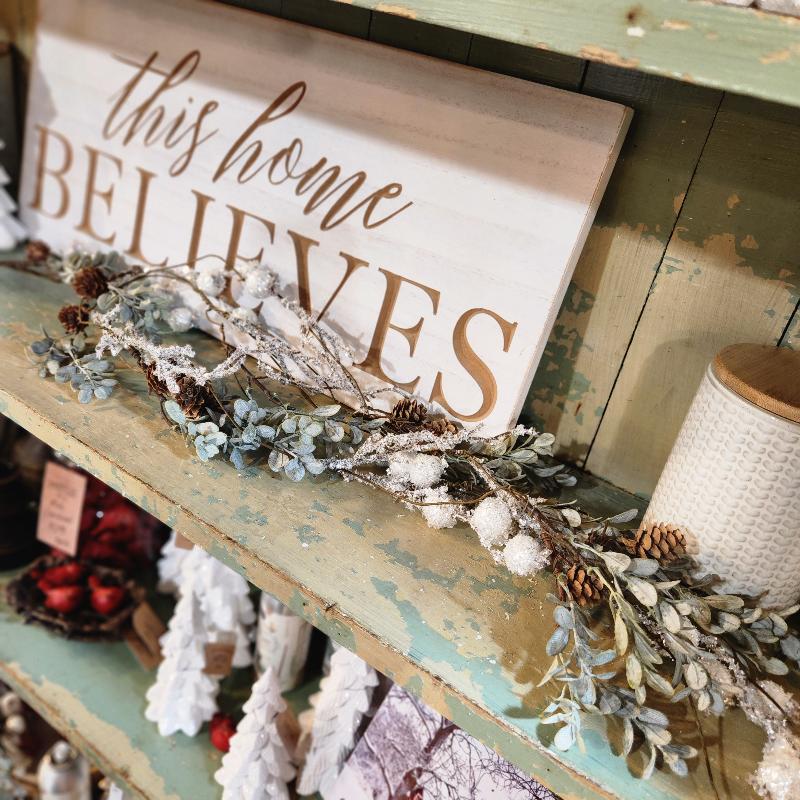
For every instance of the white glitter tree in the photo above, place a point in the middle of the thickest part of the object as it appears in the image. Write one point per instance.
(183, 696)
(345, 696)
(11, 230)
(169, 565)
(225, 602)
(257, 766)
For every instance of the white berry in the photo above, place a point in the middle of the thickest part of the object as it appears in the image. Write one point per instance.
(492, 521)
(211, 283)
(259, 283)
(180, 319)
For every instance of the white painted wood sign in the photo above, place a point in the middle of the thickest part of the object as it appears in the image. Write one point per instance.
(433, 212)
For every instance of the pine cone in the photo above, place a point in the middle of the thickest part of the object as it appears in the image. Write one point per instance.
(660, 541)
(584, 588)
(154, 384)
(440, 426)
(409, 410)
(90, 282)
(37, 251)
(192, 397)
(74, 318)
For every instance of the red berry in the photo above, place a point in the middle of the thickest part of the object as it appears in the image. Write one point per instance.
(64, 575)
(64, 599)
(221, 730)
(94, 582)
(107, 599)
(44, 585)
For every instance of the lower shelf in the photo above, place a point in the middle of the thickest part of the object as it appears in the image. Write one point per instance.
(94, 695)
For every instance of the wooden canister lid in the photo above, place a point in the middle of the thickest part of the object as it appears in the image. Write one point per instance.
(765, 375)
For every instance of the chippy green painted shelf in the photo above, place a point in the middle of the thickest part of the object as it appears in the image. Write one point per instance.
(429, 609)
(94, 695)
(741, 50)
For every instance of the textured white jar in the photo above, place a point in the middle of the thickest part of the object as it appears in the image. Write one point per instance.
(732, 483)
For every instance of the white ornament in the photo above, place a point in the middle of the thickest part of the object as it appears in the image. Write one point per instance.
(260, 283)
(345, 696)
(11, 230)
(211, 283)
(282, 641)
(445, 513)
(183, 696)
(257, 767)
(180, 319)
(778, 773)
(524, 555)
(245, 315)
(169, 565)
(492, 521)
(418, 469)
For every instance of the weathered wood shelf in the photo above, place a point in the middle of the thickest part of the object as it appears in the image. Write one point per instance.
(428, 608)
(93, 694)
(740, 50)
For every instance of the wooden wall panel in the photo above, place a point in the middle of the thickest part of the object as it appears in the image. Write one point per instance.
(731, 273)
(597, 319)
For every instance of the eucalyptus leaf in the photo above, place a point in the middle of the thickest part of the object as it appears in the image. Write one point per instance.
(627, 737)
(695, 676)
(644, 592)
(652, 716)
(623, 516)
(295, 470)
(572, 517)
(647, 773)
(173, 411)
(775, 666)
(790, 645)
(609, 703)
(725, 602)
(620, 634)
(633, 671)
(562, 617)
(669, 616)
(616, 562)
(327, 411)
(564, 738)
(557, 642)
(644, 567)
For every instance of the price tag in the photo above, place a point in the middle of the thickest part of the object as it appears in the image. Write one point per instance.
(115, 793)
(182, 542)
(144, 634)
(61, 507)
(219, 656)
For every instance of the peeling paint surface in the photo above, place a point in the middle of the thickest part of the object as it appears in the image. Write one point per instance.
(429, 608)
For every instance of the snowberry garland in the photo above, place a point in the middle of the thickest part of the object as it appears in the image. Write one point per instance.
(638, 612)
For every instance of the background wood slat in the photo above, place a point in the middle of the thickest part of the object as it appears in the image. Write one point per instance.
(597, 319)
(731, 274)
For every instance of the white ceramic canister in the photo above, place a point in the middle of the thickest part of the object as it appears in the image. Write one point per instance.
(732, 480)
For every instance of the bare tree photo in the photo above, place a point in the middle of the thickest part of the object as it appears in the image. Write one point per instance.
(409, 752)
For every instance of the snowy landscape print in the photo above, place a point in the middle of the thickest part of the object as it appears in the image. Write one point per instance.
(409, 752)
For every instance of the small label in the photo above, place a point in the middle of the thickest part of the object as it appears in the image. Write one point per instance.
(149, 627)
(219, 656)
(147, 660)
(182, 542)
(61, 507)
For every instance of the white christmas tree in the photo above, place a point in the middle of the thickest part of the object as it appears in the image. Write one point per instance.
(183, 696)
(344, 697)
(169, 565)
(11, 230)
(257, 767)
(225, 603)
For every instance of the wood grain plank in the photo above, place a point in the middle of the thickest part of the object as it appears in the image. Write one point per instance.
(742, 50)
(609, 287)
(528, 63)
(429, 609)
(351, 20)
(731, 274)
(419, 37)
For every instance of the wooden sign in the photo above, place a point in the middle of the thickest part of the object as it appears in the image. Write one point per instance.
(60, 508)
(431, 212)
(219, 655)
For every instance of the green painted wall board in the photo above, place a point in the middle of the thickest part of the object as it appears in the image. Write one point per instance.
(600, 312)
(731, 273)
(351, 20)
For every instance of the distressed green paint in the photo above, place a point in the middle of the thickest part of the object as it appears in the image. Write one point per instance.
(84, 690)
(740, 50)
(420, 573)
